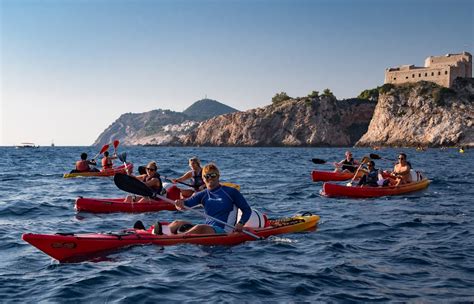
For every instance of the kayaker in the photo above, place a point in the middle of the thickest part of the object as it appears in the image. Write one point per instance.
(83, 165)
(195, 174)
(401, 172)
(371, 178)
(219, 201)
(151, 178)
(107, 161)
(348, 164)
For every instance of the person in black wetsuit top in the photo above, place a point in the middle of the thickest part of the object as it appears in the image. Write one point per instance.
(195, 175)
(348, 164)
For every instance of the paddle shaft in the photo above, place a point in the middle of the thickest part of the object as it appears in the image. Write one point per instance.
(189, 185)
(207, 216)
(357, 171)
(322, 162)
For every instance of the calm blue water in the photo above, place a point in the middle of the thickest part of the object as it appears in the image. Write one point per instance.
(415, 248)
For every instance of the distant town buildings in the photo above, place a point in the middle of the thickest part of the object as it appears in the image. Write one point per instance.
(439, 69)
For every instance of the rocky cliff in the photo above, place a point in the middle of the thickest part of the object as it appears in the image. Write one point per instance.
(320, 121)
(423, 114)
(161, 127)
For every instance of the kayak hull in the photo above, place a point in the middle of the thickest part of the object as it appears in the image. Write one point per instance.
(110, 205)
(107, 172)
(335, 190)
(326, 176)
(77, 247)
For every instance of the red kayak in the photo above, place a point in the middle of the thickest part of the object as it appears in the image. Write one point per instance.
(79, 247)
(109, 205)
(107, 172)
(335, 190)
(326, 176)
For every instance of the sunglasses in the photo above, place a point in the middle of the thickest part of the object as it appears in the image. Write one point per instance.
(211, 175)
(151, 169)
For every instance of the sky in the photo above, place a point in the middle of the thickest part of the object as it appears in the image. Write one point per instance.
(70, 68)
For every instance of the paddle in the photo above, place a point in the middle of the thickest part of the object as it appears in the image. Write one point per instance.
(123, 158)
(141, 170)
(376, 156)
(318, 161)
(130, 184)
(116, 143)
(104, 148)
(182, 183)
(232, 185)
(362, 162)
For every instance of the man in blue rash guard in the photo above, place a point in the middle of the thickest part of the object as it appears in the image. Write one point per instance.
(219, 201)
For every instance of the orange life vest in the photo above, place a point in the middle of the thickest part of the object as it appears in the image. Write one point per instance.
(107, 163)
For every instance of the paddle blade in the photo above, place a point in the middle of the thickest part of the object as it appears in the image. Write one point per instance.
(142, 170)
(132, 185)
(104, 148)
(123, 157)
(318, 161)
(374, 156)
(116, 143)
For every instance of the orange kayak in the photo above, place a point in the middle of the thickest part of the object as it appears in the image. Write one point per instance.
(80, 247)
(336, 190)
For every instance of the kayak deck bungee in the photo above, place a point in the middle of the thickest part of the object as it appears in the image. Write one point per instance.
(326, 176)
(80, 247)
(106, 172)
(109, 205)
(335, 190)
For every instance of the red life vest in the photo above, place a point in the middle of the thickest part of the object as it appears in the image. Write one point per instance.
(107, 163)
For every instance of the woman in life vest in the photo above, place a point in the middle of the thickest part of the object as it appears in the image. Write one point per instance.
(195, 175)
(107, 161)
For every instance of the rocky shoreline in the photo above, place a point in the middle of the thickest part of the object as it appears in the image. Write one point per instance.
(419, 114)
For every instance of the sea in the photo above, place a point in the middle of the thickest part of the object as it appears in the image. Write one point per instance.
(413, 248)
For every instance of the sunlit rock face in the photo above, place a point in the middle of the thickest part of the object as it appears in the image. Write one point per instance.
(423, 114)
(322, 121)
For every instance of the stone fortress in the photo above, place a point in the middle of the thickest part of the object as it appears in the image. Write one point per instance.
(438, 69)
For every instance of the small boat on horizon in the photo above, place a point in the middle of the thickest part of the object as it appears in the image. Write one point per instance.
(26, 145)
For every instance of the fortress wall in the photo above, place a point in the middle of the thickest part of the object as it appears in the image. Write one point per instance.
(439, 75)
(449, 59)
(438, 69)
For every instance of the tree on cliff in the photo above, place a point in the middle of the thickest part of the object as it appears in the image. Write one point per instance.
(280, 97)
(328, 93)
(314, 94)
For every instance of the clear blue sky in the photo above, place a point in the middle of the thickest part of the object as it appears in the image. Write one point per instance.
(71, 68)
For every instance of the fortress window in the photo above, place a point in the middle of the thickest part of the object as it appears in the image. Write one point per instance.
(419, 75)
(432, 73)
(406, 77)
(439, 73)
(413, 76)
(445, 72)
(426, 74)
